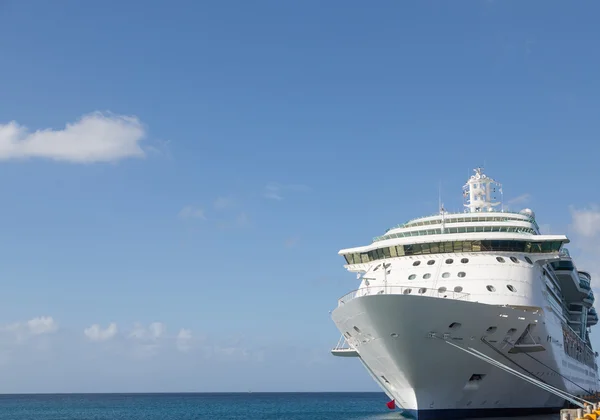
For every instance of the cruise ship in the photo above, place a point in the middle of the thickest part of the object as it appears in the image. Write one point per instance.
(471, 314)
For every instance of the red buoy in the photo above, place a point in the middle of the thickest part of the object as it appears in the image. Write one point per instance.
(391, 405)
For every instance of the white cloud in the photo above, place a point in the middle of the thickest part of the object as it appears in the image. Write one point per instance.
(35, 326)
(184, 338)
(94, 137)
(42, 325)
(586, 222)
(275, 191)
(96, 333)
(191, 212)
(154, 331)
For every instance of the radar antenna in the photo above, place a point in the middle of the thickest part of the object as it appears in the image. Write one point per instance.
(479, 193)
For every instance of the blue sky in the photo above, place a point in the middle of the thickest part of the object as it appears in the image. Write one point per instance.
(249, 143)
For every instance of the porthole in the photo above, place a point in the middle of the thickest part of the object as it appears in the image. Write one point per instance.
(442, 289)
(412, 277)
(356, 329)
(407, 291)
(430, 262)
(514, 259)
(500, 259)
(394, 335)
(377, 268)
(464, 260)
(511, 287)
(416, 263)
(490, 288)
(449, 261)
(458, 289)
(511, 331)
(426, 275)
(422, 290)
(528, 260)
(446, 275)
(491, 330)
(462, 274)
(454, 326)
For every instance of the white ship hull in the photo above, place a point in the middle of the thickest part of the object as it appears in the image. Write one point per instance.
(428, 377)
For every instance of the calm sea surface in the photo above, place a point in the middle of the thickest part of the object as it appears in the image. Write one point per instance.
(289, 406)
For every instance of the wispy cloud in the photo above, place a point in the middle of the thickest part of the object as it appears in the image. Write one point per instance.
(275, 191)
(191, 212)
(95, 137)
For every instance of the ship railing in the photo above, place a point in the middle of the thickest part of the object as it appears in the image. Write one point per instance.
(401, 225)
(441, 292)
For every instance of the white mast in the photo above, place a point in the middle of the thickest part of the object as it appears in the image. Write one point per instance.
(479, 192)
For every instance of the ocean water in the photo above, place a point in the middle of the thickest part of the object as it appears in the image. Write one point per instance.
(220, 406)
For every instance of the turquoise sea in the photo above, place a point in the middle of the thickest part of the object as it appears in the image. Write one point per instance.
(222, 406)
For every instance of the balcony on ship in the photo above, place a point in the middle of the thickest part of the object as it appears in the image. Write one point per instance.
(589, 299)
(584, 280)
(592, 317)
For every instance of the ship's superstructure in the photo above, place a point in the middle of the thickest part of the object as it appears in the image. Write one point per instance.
(486, 279)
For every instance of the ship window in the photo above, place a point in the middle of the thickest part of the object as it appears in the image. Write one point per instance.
(407, 291)
(422, 290)
(426, 275)
(430, 262)
(393, 251)
(491, 330)
(454, 326)
(500, 259)
(511, 331)
(356, 329)
(458, 289)
(386, 252)
(461, 274)
(377, 268)
(528, 260)
(442, 289)
(412, 277)
(416, 263)
(490, 288)
(511, 287)
(464, 260)
(446, 275)
(514, 259)
(449, 261)
(348, 258)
